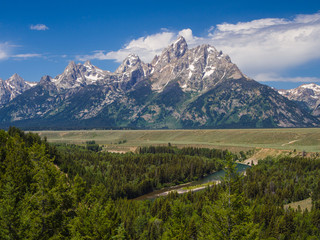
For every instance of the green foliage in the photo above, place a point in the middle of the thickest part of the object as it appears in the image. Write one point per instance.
(35, 199)
(87, 200)
(284, 180)
(92, 146)
(229, 216)
(190, 151)
(98, 221)
(132, 175)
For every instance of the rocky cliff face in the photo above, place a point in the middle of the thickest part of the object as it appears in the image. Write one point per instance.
(196, 69)
(79, 75)
(307, 95)
(13, 87)
(181, 88)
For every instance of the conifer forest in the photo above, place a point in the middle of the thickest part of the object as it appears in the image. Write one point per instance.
(65, 191)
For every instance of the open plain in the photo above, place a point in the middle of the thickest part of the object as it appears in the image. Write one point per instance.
(285, 139)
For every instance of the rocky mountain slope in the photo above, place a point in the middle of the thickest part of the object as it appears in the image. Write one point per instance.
(180, 88)
(13, 87)
(307, 95)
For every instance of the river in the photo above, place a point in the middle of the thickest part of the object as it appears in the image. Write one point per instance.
(214, 177)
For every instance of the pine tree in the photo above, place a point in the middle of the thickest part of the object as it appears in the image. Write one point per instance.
(229, 217)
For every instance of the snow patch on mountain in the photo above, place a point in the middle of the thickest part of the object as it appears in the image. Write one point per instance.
(308, 94)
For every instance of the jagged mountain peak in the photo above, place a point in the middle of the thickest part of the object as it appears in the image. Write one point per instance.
(70, 67)
(15, 75)
(16, 78)
(173, 52)
(79, 75)
(88, 64)
(131, 71)
(196, 69)
(45, 79)
(91, 68)
(180, 46)
(71, 64)
(16, 81)
(12, 87)
(130, 62)
(132, 58)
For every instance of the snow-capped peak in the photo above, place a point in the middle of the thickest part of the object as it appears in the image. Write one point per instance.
(197, 69)
(307, 93)
(301, 89)
(170, 54)
(312, 86)
(211, 49)
(131, 62)
(88, 64)
(77, 75)
(16, 81)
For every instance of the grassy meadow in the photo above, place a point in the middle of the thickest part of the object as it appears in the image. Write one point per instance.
(301, 139)
(304, 204)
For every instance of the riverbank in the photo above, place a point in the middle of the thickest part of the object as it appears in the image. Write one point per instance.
(208, 181)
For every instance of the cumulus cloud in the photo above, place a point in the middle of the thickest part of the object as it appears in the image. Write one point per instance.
(146, 47)
(39, 27)
(270, 45)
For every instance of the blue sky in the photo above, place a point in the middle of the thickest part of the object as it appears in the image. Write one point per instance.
(274, 42)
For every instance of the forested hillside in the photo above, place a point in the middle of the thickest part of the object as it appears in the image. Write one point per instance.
(72, 192)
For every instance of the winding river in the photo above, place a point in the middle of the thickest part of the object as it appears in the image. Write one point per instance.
(214, 177)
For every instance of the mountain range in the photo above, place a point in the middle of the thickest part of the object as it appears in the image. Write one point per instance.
(307, 95)
(181, 88)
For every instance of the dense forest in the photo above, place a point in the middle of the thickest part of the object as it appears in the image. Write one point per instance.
(73, 192)
(132, 175)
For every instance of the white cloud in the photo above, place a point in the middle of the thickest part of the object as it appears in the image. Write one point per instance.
(27, 55)
(273, 77)
(270, 45)
(146, 47)
(249, 27)
(4, 51)
(39, 27)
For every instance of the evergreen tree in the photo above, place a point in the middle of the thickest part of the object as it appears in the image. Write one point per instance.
(229, 217)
